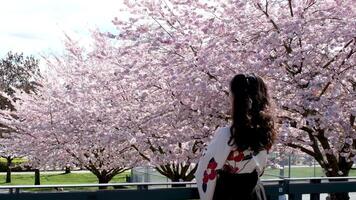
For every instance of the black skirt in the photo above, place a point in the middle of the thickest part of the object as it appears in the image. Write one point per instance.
(239, 187)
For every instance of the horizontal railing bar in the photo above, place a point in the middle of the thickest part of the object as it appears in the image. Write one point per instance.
(107, 184)
(157, 194)
(96, 185)
(307, 188)
(309, 178)
(272, 180)
(320, 178)
(156, 183)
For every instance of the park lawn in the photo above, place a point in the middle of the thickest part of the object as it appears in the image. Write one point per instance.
(60, 179)
(83, 178)
(298, 172)
(14, 161)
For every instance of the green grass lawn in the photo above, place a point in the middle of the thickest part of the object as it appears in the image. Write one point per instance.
(60, 178)
(299, 172)
(15, 161)
(83, 178)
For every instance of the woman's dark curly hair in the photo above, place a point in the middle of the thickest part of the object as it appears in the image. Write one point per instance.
(252, 123)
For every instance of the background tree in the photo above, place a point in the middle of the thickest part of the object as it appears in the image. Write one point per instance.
(169, 136)
(304, 49)
(178, 58)
(80, 115)
(9, 152)
(16, 71)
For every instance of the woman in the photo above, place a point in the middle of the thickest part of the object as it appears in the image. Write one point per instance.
(237, 155)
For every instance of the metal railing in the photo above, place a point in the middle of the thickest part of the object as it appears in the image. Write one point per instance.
(293, 187)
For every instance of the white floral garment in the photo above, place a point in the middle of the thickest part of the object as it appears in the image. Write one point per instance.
(239, 162)
(216, 157)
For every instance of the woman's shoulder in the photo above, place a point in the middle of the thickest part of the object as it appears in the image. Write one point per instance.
(224, 130)
(221, 134)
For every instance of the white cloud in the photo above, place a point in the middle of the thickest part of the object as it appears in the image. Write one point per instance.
(38, 26)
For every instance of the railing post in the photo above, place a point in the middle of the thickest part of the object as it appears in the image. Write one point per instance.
(17, 190)
(315, 196)
(295, 196)
(11, 191)
(142, 187)
(283, 185)
(291, 196)
(37, 177)
(128, 179)
(282, 190)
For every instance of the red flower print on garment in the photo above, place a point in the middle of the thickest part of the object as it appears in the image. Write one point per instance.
(212, 165)
(209, 176)
(231, 156)
(206, 177)
(237, 158)
(212, 175)
(230, 169)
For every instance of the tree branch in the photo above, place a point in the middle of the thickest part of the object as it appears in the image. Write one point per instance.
(162, 27)
(324, 89)
(303, 149)
(338, 53)
(268, 17)
(141, 154)
(290, 7)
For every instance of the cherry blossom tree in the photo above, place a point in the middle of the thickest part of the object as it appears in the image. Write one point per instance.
(80, 115)
(305, 50)
(171, 132)
(178, 57)
(16, 71)
(9, 152)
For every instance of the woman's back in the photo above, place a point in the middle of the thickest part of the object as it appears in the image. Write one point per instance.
(239, 177)
(238, 187)
(240, 162)
(237, 155)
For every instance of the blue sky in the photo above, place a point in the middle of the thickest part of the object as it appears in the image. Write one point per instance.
(38, 26)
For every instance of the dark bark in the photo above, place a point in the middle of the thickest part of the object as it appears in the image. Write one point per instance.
(37, 177)
(103, 179)
(177, 185)
(336, 163)
(177, 173)
(8, 175)
(8, 169)
(345, 168)
(341, 195)
(104, 176)
(67, 170)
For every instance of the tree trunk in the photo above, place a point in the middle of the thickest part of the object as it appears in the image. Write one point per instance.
(177, 185)
(103, 176)
(37, 177)
(339, 196)
(8, 169)
(103, 179)
(8, 175)
(67, 170)
(342, 195)
(336, 162)
(178, 173)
